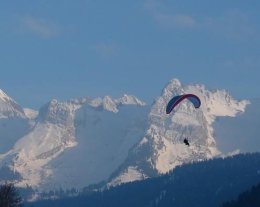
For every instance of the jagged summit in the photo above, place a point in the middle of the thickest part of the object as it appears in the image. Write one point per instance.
(81, 125)
(3, 95)
(162, 147)
(107, 103)
(174, 82)
(130, 99)
(85, 140)
(30, 113)
(174, 86)
(9, 108)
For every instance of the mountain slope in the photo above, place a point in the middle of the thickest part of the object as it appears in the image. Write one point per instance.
(79, 137)
(249, 198)
(162, 148)
(85, 141)
(200, 184)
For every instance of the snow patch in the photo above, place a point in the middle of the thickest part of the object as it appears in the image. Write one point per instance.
(131, 174)
(30, 113)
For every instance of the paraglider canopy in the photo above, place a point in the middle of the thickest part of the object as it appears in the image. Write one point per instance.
(178, 99)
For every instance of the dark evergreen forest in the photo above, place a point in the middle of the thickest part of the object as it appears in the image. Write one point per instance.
(249, 198)
(200, 184)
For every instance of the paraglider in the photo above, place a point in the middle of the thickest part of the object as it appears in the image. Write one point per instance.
(176, 100)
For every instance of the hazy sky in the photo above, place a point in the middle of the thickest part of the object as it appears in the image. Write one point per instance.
(64, 49)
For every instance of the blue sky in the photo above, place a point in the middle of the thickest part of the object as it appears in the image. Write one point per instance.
(64, 49)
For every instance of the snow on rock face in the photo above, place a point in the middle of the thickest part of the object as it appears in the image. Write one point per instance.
(30, 113)
(58, 113)
(53, 132)
(67, 133)
(129, 175)
(9, 108)
(83, 141)
(129, 99)
(110, 104)
(162, 148)
(104, 138)
(4, 96)
(186, 121)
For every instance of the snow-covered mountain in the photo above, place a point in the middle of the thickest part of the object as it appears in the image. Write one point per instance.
(86, 141)
(76, 143)
(162, 148)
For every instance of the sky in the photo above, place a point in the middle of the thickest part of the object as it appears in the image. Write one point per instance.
(66, 49)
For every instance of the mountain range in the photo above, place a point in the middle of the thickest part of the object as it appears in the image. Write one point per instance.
(86, 141)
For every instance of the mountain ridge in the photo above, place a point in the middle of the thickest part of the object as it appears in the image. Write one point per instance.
(163, 141)
(84, 141)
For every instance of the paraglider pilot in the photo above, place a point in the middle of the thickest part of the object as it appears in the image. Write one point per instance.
(186, 141)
